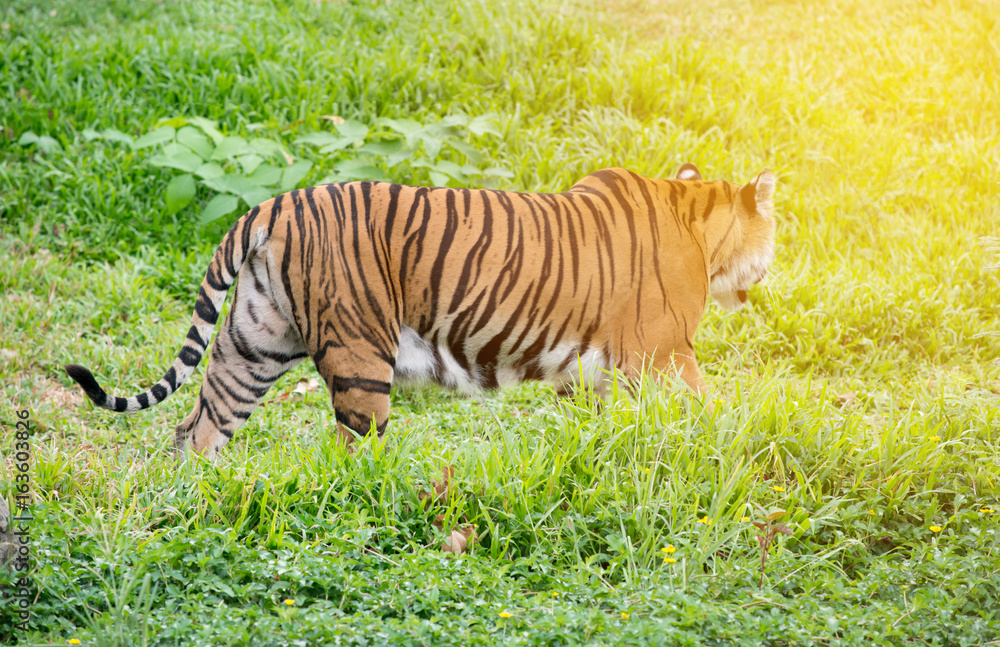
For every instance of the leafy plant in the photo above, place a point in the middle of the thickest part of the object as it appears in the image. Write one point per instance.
(249, 171)
(44, 143)
(370, 153)
(767, 530)
(235, 168)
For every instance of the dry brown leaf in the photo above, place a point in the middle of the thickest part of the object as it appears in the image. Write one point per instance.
(334, 118)
(288, 158)
(302, 387)
(845, 399)
(459, 540)
(306, 386)
(440, 488)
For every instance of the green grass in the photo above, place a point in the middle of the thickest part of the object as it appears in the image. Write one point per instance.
(859, 393)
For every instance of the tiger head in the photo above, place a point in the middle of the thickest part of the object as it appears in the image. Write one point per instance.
(739, 233)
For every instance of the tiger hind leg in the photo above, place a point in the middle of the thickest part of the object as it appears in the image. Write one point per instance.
(255, 347)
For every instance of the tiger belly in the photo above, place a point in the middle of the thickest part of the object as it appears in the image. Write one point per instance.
(419, 361)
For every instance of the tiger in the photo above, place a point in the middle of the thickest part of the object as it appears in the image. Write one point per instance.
(382, 283)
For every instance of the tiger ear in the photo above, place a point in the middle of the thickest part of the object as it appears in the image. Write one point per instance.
(688, 172)
(758, 194)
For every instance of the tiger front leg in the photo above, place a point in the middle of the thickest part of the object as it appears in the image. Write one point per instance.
(686, 366)
(671, 358)
(666, 365)
(359, 383)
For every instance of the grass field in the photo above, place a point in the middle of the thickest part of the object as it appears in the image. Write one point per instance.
(858, 395)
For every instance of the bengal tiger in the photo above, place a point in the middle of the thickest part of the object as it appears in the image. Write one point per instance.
(380, 283)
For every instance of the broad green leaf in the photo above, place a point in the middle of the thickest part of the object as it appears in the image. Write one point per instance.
(340, 144)
(209, 170)
(43, 142)
(249, 162)
(353, 130)
(265, 147)
(173, 122)
(358, 173)
(402, 126)
(319, 139)
(432, 145)
(496, 171)
(208, 127)
(358, 168)
(396, 158)
(442, 132)
(451, 169)
(454, 120)
(113, 135)
(292, 175)
(382, 148)
(217, 207)
(196, 141)
(230, 183)
(48, 144)
(181, 160)
(231, 147)
(485, 124)
(180, 192)
(468, 150)
(266, 175)
(255, 196)
(159, 136)
(173, 148)
(394, 151)
(90, 134)
(439, 179)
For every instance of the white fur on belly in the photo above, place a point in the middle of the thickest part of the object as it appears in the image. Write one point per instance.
(417, 361)
(415, 358)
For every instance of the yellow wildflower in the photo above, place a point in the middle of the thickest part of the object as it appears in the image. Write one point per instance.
(625, 616)
(505, 614)
(554, 594)
(669, 560)
(871, 512)
(934, 438)
(705, 520)
(987, 510)
(777, 488)
(290, 603)
(745, 518)
(669, 548)
(935, 528)
(74, 641)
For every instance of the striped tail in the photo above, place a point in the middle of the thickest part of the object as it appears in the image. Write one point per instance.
(241, 239)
